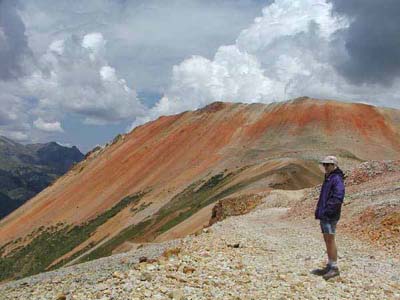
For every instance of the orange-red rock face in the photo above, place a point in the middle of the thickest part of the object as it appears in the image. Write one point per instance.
(168, 154)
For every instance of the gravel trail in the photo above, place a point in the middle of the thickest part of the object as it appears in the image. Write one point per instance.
(255, 256)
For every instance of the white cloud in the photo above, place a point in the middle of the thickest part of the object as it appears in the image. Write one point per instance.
(231, 75)
(90, 57)
(48, 126)
(108, 73)
(81, 81)
(143, 37)
(57, 46)
(93, 41)
(287, 52)
(71, 77)
(288, 18)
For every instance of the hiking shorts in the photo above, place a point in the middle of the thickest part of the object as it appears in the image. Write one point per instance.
(328, 226)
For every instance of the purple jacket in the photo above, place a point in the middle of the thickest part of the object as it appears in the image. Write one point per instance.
(331, 196)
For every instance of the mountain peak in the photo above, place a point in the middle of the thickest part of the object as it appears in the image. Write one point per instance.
(213, 107)
(27, 169)
(147, 182)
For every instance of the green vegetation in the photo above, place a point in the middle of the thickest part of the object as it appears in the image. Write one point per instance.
(181, 207)
(189, 201)
(75, 255)
(52, 242)
(126, 234)
(140, 208)
(212, 182)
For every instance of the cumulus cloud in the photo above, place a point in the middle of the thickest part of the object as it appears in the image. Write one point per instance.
(290, 51)
(48, 126)
(57, 46)
(89, 59)
(95, 43)
(144, 37)
(270, 61)
(71, 77)
(108, 73)
(76, 78)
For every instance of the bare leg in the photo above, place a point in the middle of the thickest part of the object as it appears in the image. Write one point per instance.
(330, 246)
(331, 270)
(332, 257)
(331, 249)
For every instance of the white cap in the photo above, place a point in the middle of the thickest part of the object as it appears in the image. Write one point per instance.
(330, 160)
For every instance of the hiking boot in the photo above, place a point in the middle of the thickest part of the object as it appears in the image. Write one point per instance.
(320, 272)
(333, 271)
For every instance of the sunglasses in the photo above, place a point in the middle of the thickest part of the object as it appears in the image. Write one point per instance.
(326, 164)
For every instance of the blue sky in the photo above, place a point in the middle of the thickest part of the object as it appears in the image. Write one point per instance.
(80, 72)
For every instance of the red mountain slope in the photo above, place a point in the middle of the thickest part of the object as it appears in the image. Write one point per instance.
(182, 163)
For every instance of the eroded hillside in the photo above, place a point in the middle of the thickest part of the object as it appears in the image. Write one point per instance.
(144, 185)
(267, 253)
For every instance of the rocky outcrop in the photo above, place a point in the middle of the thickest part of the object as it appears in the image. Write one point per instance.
(234, 206)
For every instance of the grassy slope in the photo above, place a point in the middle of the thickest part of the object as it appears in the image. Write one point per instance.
(52, 242)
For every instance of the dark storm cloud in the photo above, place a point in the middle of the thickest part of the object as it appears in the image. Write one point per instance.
(13, 42)
(372, 42)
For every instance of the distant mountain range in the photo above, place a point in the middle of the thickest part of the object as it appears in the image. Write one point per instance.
(26, 170)
(162, 179)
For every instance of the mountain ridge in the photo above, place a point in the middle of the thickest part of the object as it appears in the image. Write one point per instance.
(231, 149)
(27, 169)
